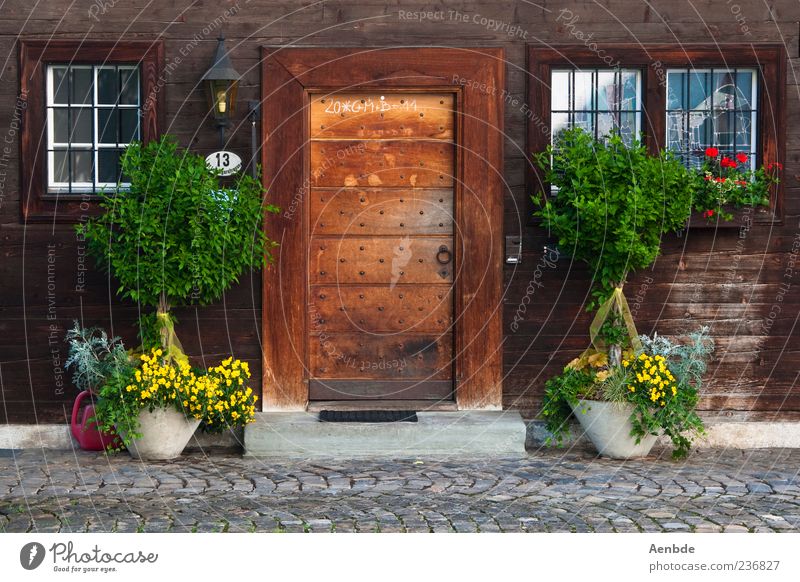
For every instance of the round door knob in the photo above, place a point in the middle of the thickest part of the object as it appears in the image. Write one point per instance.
(444, 255)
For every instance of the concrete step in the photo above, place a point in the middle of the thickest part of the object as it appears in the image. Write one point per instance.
(300, 434)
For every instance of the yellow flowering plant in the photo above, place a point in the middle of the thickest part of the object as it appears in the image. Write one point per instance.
(234, 403)
(219, 397)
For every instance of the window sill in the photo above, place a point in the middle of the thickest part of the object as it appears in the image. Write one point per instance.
(742, 218)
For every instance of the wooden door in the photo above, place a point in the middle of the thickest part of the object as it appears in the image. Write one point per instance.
(382, 174)
(456, 339)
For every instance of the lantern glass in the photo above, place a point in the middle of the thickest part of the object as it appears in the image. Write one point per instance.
(222, 98)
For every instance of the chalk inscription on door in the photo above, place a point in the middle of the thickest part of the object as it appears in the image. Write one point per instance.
(381, 227)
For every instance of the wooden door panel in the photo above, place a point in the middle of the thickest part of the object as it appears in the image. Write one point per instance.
(382, 116)
(388, 357)
(389, 164)
(378, 309)
(381, 212)
(393, 390)
(386, 260)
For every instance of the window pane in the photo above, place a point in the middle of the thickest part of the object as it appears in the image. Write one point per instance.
(628, 128)
(585, 121)
(724, 130)
(676, 94)
(107, 86)
(82, 84)
(630, 90)
(559, 91)
(701, 130)
(559, 122)
(606, 122)
(72, 125)
(583, 91)
(698, 91)
(724, 90)
(744, 90)
(607, 97)
(676, 131)
(82, 166)
(129, 83)
(107, 165)
(107, 123)
(129, 125)
(60, 166)
(81, 125)
(744, 133)
(61, 125)
(60, 85)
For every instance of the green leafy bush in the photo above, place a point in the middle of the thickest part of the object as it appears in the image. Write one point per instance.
(177, 235)
(614, 203)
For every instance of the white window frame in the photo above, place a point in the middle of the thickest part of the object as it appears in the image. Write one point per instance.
(95, 147)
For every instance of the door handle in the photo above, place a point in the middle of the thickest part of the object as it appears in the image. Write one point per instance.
(444, 255)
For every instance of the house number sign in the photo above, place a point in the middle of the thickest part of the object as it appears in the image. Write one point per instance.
(228, 162)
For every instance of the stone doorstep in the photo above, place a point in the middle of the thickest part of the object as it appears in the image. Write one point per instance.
(300, 434)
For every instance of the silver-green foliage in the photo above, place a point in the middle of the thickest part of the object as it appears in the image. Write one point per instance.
(688, 360)
(93, 356)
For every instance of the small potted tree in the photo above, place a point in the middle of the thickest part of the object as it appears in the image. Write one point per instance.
(178, 234)
(614, 204)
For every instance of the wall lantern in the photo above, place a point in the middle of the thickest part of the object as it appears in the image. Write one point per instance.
(221, 82)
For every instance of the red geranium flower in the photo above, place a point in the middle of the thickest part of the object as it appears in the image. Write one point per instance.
(720, 180)
(707, 178)
(708, 214)
(741, 158)
(742, 182)
(726, 162)
(712, 152)
(774, 165)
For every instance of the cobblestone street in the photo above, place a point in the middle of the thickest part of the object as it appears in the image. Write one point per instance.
(546, 491)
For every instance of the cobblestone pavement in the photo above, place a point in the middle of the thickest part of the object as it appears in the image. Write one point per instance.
(732, 491)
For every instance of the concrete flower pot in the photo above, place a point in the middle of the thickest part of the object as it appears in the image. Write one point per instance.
(608, 426)
(165, 433)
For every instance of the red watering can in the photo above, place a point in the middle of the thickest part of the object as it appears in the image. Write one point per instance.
(86, 433)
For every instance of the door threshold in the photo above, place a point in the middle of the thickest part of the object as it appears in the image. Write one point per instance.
(418, 405)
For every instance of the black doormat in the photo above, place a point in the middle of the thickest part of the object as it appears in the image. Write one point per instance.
(367, 416)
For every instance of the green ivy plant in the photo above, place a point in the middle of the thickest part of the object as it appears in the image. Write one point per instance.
(178, 235)
(614, 203)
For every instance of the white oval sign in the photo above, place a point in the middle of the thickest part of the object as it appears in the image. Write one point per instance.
(227, 162)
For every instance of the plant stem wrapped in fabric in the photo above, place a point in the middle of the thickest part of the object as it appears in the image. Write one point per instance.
(614, 203)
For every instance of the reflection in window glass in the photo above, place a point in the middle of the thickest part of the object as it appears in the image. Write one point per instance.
(711, 108)
(597, 100)
(93, 113)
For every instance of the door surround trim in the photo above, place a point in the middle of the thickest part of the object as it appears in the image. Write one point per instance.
(478, 75)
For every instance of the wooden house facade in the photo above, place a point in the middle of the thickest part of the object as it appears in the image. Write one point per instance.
(396, 138)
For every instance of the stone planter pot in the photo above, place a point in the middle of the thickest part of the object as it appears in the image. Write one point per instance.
(165, 433)
(608, 426)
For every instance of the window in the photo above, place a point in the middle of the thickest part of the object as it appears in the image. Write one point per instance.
(712, 108)
(685, 98)
(92, 114)
(85, 101)
(597, 100)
